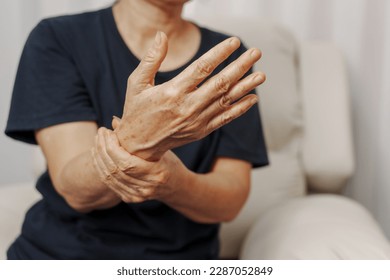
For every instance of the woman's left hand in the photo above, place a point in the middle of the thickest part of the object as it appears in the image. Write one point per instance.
(130, 177)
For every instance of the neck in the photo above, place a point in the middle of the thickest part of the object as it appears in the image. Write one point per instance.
(141, 19)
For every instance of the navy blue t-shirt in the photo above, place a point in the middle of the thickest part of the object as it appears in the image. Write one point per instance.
(75, 68)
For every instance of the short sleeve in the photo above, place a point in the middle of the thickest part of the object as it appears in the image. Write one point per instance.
(243, 137)
(48, 88)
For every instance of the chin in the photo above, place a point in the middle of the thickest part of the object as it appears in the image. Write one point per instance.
(169, 1)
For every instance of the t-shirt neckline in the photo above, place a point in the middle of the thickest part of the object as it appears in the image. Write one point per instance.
(171, 73)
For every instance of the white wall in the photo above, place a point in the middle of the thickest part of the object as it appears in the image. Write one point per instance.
(15, 157)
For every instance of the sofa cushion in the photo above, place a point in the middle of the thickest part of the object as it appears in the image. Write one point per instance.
(268, 189)
(316, 227)
(281, 110)
(15, 200)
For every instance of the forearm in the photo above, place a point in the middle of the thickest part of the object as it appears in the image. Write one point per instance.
(67, 149)
(82, 187)
(208, 198)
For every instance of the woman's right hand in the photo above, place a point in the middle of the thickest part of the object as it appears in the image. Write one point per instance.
(131, 178)
(158, 118)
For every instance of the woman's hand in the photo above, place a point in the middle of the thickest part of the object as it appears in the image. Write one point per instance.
(131, 178)
(159, 118)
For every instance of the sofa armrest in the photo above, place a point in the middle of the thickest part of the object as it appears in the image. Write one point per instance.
(328, 157)
(15, 200)
(321, 226)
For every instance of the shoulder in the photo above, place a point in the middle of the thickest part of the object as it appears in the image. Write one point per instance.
(67, 29)
(212, 37)
(80, 21)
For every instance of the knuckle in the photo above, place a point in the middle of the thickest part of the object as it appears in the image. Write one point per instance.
(171, 90)
(207, 129)
(131, 79)
(224, 101)
(194, 111)
(150, 55)
(204, 67)
(242, 68)
(226, 118)
(148, 194)
(137, 199)
(114, 171)
(126, 166)
(189, 108)
(108, 178)
(222, 84)
(182, 112)
(127, 199)
(132, 199)
(162, 178)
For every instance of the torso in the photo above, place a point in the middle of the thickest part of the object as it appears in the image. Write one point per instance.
(149, 230)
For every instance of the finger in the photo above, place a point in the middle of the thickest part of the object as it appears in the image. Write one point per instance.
(200, 69)
(126, 162)
(124, 192)
(143, 76)
(111, 175)
(109, 180)
(98, 165)
(232, 112)
(224, 80)
(98, 162)
(111, 167)
(127, 182)
(239, 90)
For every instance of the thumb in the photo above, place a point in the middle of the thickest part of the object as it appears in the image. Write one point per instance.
(115, 122)
(143, 75)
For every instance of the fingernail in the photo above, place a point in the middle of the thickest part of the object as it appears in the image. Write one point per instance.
(157, 39)
(259, 77)
(254, 101)
(255, 53)
(233, 41)
(116, 118)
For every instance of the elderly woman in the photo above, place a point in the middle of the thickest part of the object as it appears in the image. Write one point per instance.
(156, 182)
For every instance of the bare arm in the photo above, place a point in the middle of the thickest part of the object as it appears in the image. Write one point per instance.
(215, 197)
(101, 179)
(67, 148)
(206, 198)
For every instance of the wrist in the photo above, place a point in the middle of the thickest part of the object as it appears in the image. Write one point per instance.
(146, 151)
(179, 179)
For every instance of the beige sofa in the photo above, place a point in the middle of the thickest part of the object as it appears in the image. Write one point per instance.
(306, 116)
(296, 210)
